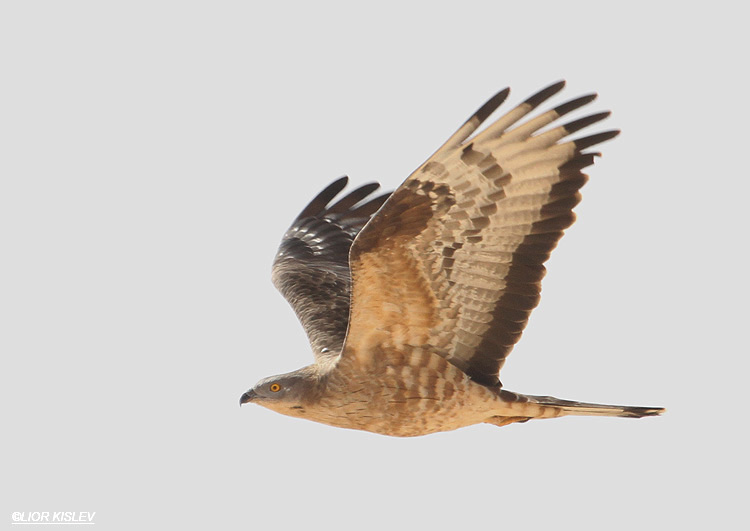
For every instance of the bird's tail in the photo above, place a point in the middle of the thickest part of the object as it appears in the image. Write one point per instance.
(569, 407)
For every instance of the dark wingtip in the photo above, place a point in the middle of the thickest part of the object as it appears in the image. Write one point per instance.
(577, 125)
(493, 103)
(545, 93)
(321, 200)
(352, 198)
(577, 163)
(588, 141)
(572, 105)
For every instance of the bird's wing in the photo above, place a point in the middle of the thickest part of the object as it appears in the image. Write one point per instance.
(453, 261)
(311, 268)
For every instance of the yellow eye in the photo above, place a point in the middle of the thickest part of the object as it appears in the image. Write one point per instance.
(275, 387)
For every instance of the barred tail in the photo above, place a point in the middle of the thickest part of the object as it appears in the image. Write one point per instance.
(569, 407)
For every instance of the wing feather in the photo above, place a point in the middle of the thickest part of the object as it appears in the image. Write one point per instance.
(453, 261)
(311, 268)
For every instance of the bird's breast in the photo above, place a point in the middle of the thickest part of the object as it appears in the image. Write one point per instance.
(400, 393)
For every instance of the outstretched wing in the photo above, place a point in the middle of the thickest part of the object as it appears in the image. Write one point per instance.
(311, 268)
(453, 262)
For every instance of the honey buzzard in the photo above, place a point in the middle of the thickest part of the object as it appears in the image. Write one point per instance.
(413, 300)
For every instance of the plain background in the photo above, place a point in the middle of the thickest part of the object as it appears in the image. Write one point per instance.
(153, 153)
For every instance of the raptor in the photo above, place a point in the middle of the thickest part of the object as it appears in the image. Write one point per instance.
(413, 300)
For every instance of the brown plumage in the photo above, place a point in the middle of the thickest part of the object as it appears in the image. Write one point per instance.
(413, 300)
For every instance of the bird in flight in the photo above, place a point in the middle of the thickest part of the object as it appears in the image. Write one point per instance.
(412, 300)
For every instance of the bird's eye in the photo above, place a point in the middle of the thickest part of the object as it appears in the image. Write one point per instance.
(275, 387)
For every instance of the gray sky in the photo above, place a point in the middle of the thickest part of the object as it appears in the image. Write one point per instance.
(153, 153)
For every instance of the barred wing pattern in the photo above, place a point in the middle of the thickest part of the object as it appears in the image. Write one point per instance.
(311, 268)
(453, 261)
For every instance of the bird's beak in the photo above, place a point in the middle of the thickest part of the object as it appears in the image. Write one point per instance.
(248, 397)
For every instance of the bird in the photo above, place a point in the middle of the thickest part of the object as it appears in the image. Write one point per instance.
(412, 300)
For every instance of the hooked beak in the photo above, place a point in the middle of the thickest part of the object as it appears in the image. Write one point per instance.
(248, 397)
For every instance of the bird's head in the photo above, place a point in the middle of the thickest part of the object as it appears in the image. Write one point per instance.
(284, 393)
